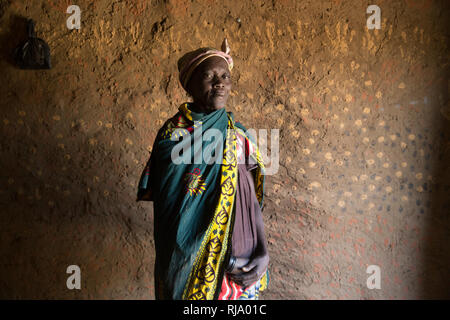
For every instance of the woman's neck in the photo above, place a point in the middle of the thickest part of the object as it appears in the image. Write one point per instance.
(196, 107)
(199, 108)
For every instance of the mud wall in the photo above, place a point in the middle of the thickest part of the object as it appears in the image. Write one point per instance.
(364, 141)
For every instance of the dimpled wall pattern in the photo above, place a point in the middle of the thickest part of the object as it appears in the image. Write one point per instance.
(364, 147)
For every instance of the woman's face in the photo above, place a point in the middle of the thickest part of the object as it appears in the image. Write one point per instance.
(210, 84)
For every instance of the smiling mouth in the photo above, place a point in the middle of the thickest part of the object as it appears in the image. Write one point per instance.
(218, 93)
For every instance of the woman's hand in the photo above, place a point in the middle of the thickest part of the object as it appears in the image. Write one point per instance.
(246, 274)
(240, 263)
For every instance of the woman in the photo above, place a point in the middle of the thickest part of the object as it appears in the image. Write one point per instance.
(208, 227)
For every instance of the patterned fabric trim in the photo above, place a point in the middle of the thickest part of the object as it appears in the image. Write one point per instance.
(209, 263)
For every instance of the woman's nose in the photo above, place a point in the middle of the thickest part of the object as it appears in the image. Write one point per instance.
(218, 83)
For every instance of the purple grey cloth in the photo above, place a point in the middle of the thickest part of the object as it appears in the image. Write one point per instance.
(244, 239)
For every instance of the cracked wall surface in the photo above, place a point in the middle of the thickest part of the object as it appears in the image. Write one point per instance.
(363, 116)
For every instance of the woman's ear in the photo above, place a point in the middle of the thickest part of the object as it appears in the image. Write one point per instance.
(188, 90)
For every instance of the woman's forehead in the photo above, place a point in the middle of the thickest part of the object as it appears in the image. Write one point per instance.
(213, 63)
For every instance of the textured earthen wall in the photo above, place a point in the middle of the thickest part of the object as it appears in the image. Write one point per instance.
(364, 141)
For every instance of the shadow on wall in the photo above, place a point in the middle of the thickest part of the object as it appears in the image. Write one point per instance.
(437, 229)
(41, 237)
(10, 40)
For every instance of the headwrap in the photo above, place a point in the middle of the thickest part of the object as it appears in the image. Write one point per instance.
(192, 59)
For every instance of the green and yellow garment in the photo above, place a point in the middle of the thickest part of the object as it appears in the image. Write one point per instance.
(194, 204)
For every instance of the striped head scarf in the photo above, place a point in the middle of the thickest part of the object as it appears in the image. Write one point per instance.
(192, 59)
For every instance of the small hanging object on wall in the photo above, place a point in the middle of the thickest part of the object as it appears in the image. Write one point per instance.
(34, 53)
